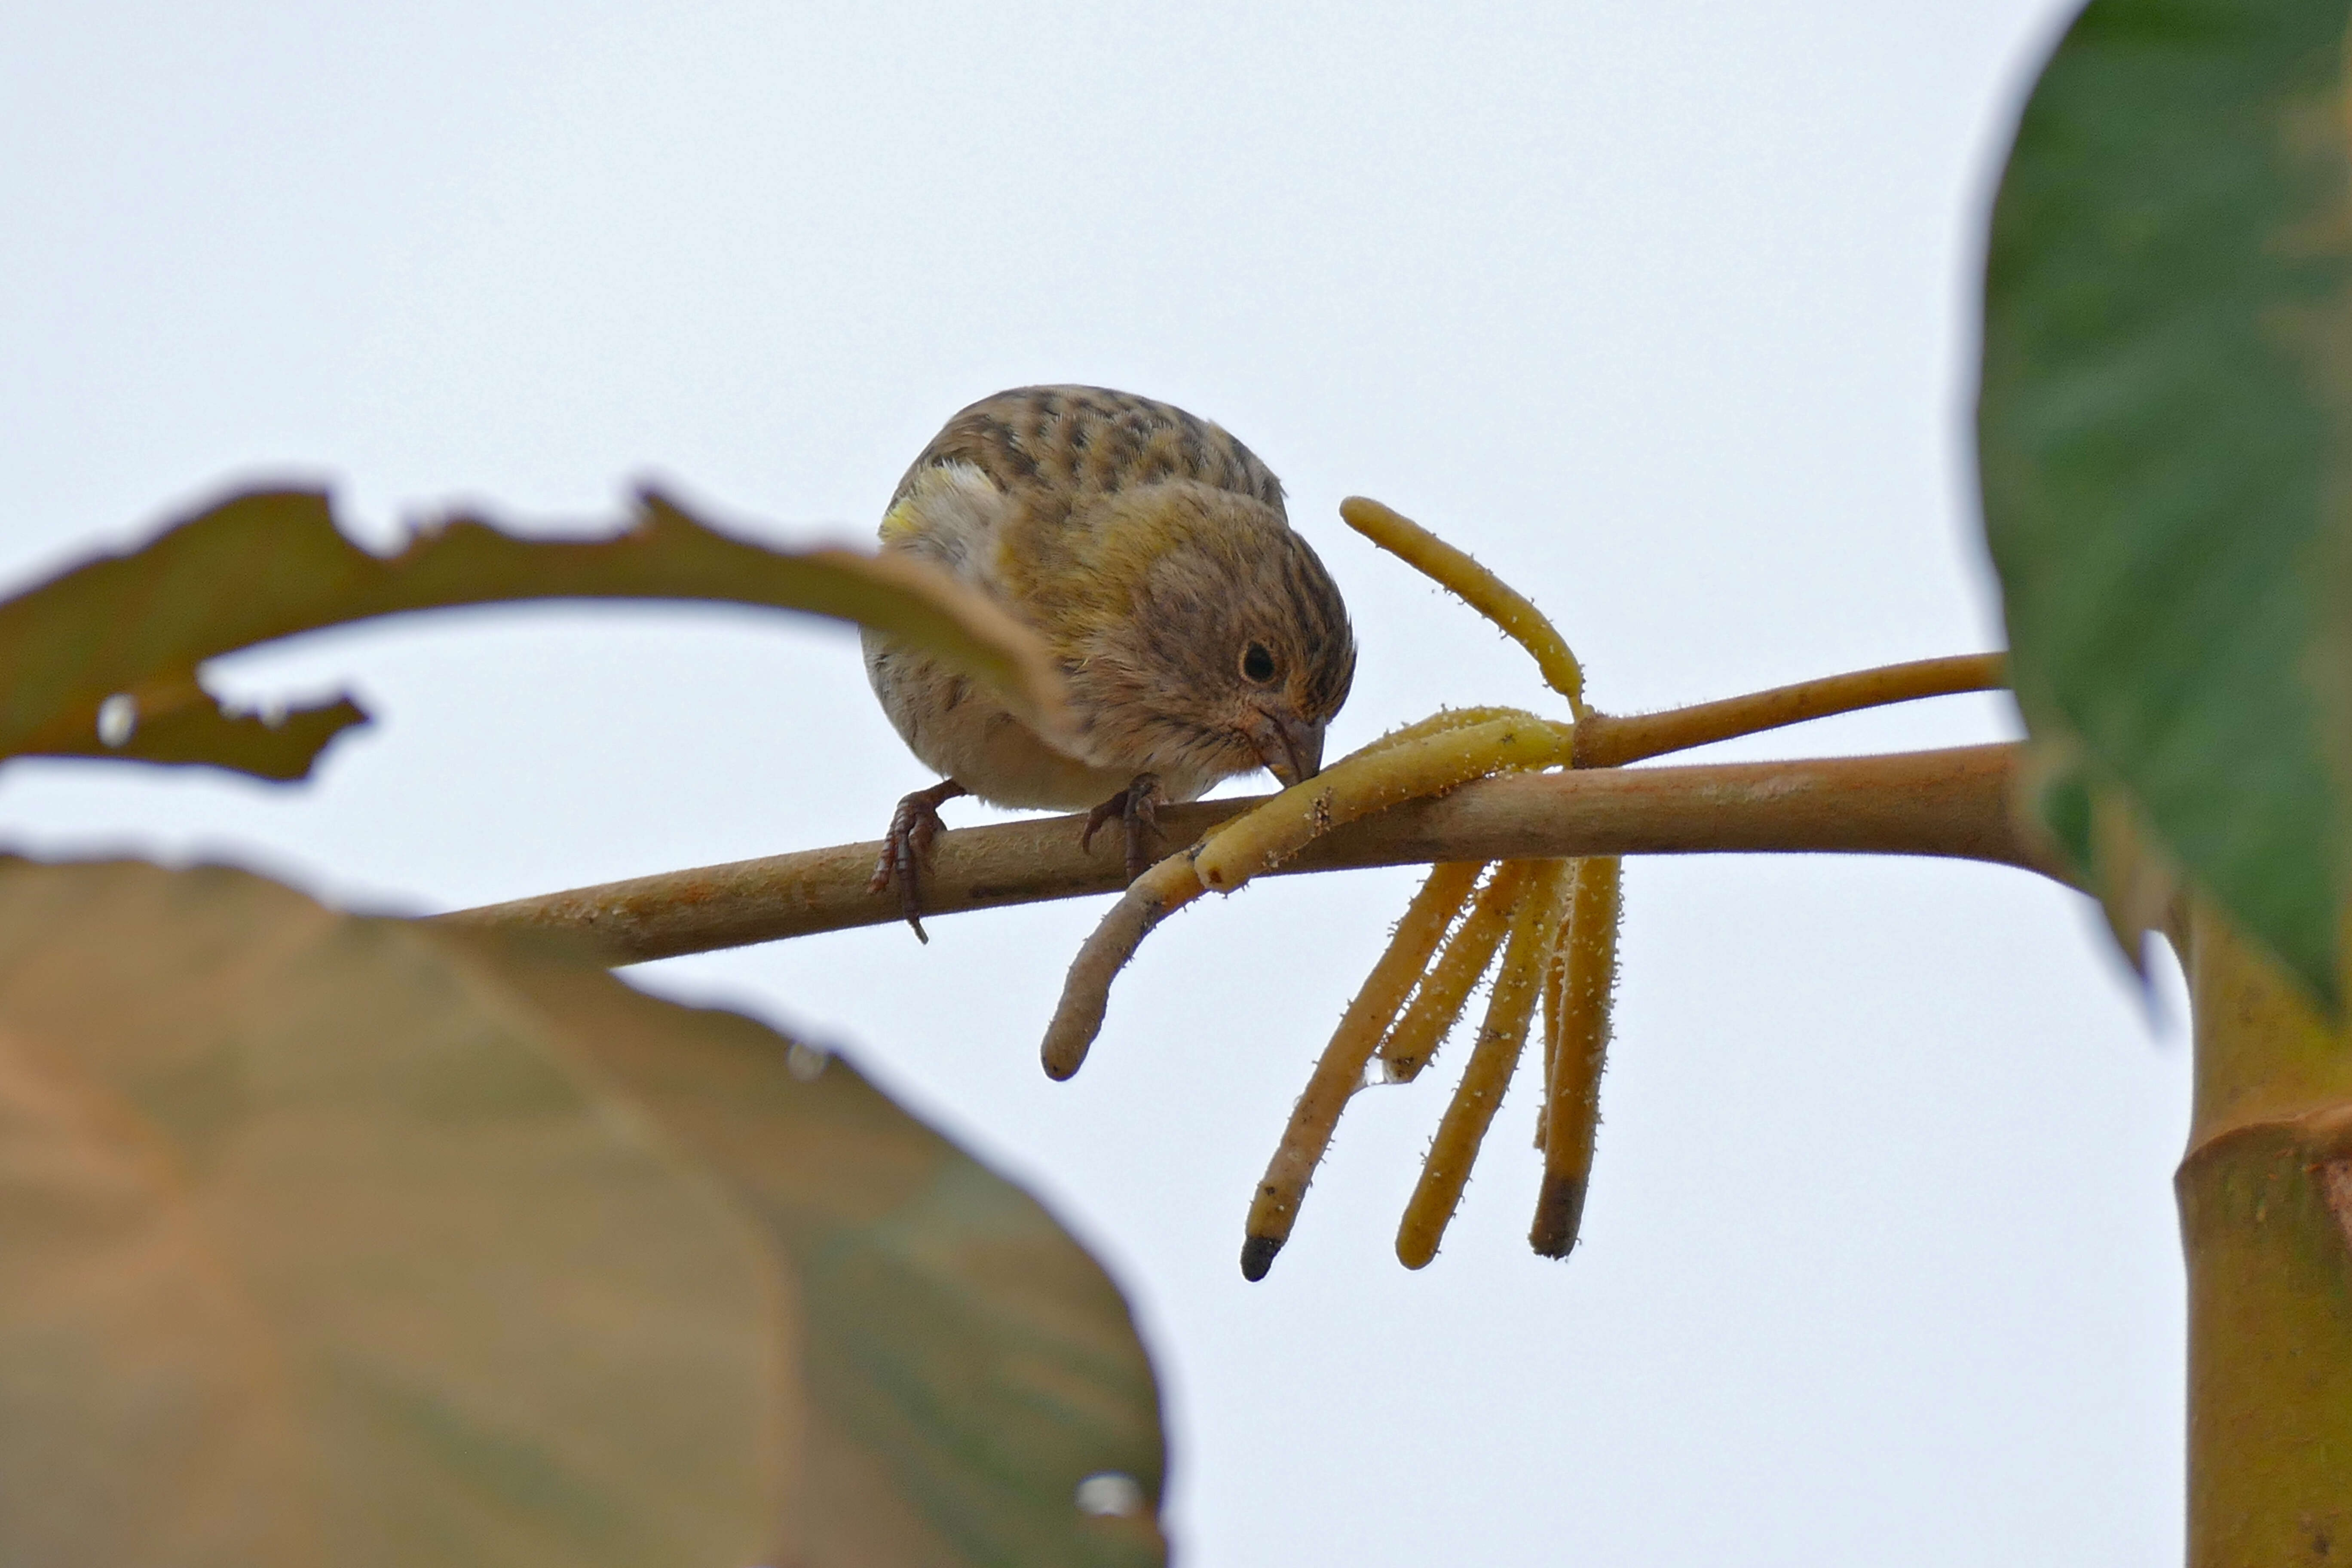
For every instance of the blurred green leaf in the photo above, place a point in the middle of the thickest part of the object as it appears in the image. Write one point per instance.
(102, 660)
(2163, 437)
(328, 1239)
(966, 1363)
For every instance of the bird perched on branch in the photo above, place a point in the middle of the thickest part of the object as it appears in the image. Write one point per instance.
(1198, 636)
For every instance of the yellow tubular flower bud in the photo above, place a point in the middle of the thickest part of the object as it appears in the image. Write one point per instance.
(1086, 993)
(1446, 988)
(1481, 589)
(1555, 974)
(1501, 1038)
(1340, 1071)
(1362, 783)
(1437, 724)
(1573, 1110)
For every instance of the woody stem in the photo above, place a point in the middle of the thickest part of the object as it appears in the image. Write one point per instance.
(1950, 803)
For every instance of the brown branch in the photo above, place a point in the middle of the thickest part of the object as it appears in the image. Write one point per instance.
(1949, 803)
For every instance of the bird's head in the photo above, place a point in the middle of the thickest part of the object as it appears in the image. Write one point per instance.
(1230, 650)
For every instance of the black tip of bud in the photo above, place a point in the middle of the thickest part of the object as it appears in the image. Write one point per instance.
(1257, 1256)
(1560, 1214)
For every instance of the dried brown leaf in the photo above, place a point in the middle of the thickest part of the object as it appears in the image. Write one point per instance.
(102, 660)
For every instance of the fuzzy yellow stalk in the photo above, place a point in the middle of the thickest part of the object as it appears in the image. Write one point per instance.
(1086, 993)
(1479, 589)
(1572, 1098)
(1555, 974)
(1501, 1038)
(1446, 988)
(1437, 724)
(1371, 779)
(1340, 1071)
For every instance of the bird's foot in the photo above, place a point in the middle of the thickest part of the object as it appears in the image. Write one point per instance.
(1137, 807)
(908, 846)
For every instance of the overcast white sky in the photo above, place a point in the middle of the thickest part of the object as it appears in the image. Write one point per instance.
(1665, 310)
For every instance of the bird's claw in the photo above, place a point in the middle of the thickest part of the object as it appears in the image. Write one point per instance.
(907, 846)
(1137, 809)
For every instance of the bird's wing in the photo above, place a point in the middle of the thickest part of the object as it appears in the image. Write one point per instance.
(1063, 446)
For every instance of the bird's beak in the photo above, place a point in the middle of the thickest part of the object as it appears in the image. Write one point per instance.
(1291, 748)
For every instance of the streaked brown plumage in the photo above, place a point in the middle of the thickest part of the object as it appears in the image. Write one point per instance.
(1200, 635)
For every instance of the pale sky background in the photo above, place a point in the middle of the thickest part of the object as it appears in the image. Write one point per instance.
(1666, 310)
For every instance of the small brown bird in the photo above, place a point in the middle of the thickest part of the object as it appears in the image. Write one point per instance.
(1198, 636)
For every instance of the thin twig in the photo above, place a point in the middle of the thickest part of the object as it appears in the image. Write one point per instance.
(1610, 740)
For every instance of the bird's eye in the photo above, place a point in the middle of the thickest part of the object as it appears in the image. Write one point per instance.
(1257, 664)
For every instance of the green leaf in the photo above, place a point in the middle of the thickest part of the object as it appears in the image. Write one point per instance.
(2162, 435)
(102, 660)
(330, 1240)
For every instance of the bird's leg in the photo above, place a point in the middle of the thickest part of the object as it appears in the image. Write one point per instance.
(907, 844)
(1137, 806)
